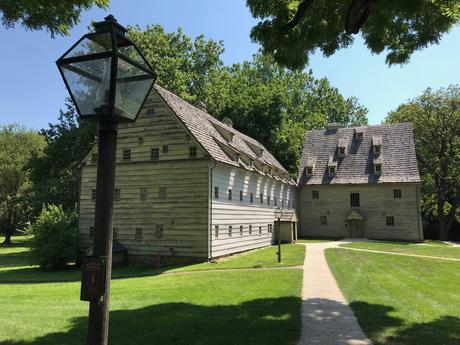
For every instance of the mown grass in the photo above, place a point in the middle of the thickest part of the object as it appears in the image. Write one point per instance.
(212, 307)
(444, 251)
(291, 255)
(399, 299)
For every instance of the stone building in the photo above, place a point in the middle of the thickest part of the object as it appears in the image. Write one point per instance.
(188, 185)
(360, 182)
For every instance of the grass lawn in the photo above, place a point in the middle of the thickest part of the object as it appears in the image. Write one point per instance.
(217, 307)
(291, 255)
(399, 299)
(445, 251)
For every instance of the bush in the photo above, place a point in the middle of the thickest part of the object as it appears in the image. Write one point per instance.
(53, 244)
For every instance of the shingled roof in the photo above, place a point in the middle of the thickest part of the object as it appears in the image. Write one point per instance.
(223, 143)
(397, 156)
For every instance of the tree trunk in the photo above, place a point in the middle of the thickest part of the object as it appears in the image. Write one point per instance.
(443, 229)
(7, 240)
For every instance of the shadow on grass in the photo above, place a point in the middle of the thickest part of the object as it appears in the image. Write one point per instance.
(263, 321)
(374, 319)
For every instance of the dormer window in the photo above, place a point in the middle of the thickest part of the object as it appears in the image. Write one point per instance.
(310, 166)
(331, 166)
(378, 168)
(224, 132)
(331, 170)
(377, 144)
(342, 147)
(359, 133)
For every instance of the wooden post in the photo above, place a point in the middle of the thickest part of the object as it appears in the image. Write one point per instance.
(98, 322)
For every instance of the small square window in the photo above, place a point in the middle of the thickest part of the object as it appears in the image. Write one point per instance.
(323, 220)
(117, 194)
(93, 194)
(359, 135)
(378, 168)
(91, 232)
(94, 157)
(332, 170)
(138, 234)
(241, 230)
(260, 230)
(140, 140)
(154, 154)
(192, 151)
(261, 198)
(241, 195)
(229, 194)
(151, 111)
(354, 200)
(315, 194)
(250, 229)
(216, 231)
(309, 170)
(270, 228)
(397, 193)
(342, 151)
(165, 149)
(230, 230)
(162, 192)
(377, 149)
(251, 197)
(390, 220)
(159, 230)
(143, 193)
(127, 155)
(216, 192)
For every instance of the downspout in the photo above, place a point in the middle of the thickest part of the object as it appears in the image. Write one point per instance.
(210, 198)
(419, 214)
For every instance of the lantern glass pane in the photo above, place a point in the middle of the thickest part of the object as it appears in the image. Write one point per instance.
(92, 44)
(133, 84)
(130, 52)
(89, 83)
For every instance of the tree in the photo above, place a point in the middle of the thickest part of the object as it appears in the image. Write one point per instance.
(290, 30)
(183, 66)
(276, 106)
(435, 116)
(57, 17)
(16, 147)
(54, 175)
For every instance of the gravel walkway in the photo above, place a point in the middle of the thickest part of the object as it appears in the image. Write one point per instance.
(326, 317)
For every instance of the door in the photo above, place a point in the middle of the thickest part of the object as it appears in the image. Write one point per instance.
(356, 228)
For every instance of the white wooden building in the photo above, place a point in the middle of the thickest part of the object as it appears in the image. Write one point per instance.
(188, 185)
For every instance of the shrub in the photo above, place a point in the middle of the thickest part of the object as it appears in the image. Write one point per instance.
(54, 232)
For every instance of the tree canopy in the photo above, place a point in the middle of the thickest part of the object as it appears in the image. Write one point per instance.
(290, 30)
(57, 17)
(54, 175)
(435, 116)
(17, 145)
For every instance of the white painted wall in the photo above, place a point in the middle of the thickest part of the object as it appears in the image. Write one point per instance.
(236, 213)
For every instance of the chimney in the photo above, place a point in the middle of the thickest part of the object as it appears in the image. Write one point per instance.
(227, 121)
(200, 105)
(333, 126)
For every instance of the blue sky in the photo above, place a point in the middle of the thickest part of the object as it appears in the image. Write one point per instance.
(31, 91)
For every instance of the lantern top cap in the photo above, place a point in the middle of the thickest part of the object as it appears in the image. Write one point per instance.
(110, 24)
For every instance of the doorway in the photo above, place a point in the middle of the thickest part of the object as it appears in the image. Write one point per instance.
(356, 228)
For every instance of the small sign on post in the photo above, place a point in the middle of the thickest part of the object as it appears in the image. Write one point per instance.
(93, 278)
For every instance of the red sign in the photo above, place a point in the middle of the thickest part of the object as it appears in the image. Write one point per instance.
(93, 278)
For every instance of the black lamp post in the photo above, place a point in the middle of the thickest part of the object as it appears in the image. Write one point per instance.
(109, 80)
(278, 216)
